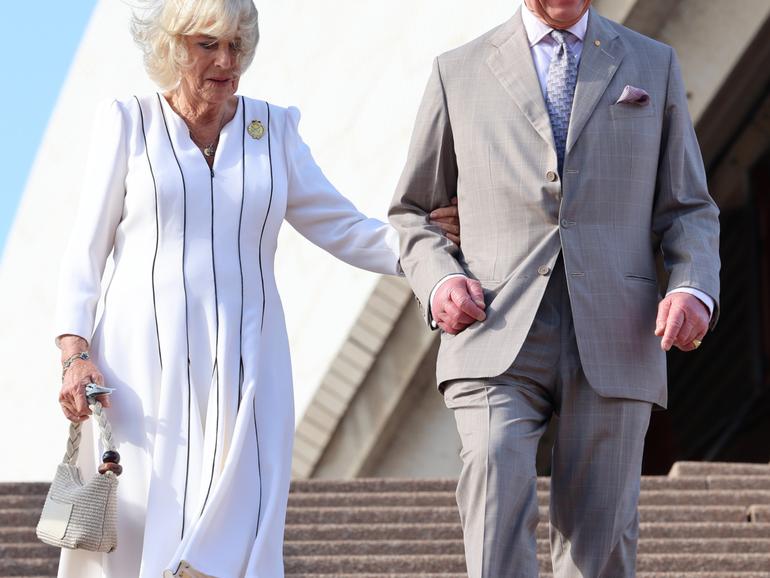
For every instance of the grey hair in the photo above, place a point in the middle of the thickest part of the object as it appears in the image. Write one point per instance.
(160, 26)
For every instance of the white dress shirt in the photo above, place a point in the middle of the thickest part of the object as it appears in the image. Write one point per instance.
(542, 46)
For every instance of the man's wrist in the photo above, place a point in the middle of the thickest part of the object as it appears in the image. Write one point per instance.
(704, 299)
(436, 287)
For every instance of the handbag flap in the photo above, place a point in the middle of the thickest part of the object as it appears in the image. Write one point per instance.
(55, 519)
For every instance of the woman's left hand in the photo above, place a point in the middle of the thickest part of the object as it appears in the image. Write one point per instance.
(448, 219)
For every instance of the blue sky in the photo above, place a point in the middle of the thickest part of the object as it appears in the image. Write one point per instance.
(40, 41)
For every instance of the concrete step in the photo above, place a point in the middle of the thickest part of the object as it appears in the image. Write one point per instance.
(17, 534)
(703, 562)
(369, 499)
(441, 515)
(701, 575)
(759, 513)
(19, 517)
(732, 480)
(702, 545)
(449, 514)
(683, 477)
(322, 565)
(456, 575)
(34, 501)
(28, 550)
(455, 547)
(546, 575)
(705, 498)
(379, 485)
(447, 499)
(374, 548)
(28, 567)
(681, 469)
(37, 488)
(735, 482)
(452, 531)
(343, 532)
(456, 563)
(693, 530)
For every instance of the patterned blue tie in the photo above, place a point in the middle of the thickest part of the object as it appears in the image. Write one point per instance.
(562, 77)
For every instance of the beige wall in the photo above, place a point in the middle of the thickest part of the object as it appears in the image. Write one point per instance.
(425, 444)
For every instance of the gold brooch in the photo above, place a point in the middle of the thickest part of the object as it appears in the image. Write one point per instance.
(256, 129)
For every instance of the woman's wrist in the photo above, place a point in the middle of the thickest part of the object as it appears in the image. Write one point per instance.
(71, 345)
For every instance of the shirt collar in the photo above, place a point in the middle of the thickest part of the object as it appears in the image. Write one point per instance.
(537, 29)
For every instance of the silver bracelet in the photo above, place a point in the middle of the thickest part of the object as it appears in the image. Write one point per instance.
(72, 359)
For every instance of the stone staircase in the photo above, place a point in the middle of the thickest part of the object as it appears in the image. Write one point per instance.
(703, 520)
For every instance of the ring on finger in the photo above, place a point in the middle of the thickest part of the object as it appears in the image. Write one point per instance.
(696, 343)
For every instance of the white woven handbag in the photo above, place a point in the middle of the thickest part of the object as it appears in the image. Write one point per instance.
(78, 514)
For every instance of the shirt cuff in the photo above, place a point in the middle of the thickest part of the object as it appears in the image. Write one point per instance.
(438, 285)
(705, 299)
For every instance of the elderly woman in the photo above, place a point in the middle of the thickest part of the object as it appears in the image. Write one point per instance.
(188, 189)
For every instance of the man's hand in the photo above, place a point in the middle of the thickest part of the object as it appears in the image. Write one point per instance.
(682, 319)
(458, 303)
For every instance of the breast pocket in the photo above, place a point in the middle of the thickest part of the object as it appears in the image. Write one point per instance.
(624, 111)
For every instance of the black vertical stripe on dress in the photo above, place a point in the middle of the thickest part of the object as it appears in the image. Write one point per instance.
(215, 371)
(240, 262)
(264, 300)
(267, 214)
(259, 464)
(186, 313)
(157, 231)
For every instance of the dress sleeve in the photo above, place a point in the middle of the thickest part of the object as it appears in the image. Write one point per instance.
(93, 235)
(326, 218)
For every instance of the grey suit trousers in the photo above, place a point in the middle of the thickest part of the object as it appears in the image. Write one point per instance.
(597, 456)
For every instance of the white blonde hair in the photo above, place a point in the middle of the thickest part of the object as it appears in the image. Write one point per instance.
(160, 26)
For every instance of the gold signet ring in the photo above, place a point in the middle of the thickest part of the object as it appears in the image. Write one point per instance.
(696, 343)
(256, 129)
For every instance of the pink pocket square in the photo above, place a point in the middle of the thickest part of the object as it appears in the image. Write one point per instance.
(633, 95)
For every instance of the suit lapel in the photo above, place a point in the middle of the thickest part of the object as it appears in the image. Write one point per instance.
(598, 65)
(511, 62)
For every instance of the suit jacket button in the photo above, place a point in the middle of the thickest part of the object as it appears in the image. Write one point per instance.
(551, 176)
(543, 270)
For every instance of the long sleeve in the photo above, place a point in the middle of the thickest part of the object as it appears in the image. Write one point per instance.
(685, 219)
(429, 180)
(99, 212)
(326, 218)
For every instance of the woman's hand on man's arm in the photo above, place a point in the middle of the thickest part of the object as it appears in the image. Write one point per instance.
(448, 220)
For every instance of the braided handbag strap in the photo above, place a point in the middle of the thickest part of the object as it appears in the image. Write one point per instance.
(105, 433)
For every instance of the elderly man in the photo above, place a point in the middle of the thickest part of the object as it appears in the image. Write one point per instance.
(566, 138)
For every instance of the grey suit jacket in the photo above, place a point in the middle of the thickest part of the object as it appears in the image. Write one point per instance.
(633, 186)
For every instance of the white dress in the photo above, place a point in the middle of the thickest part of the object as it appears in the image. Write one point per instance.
(192, 333)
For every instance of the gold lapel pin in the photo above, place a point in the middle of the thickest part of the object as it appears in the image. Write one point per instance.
(256, 129)
(597, 42)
